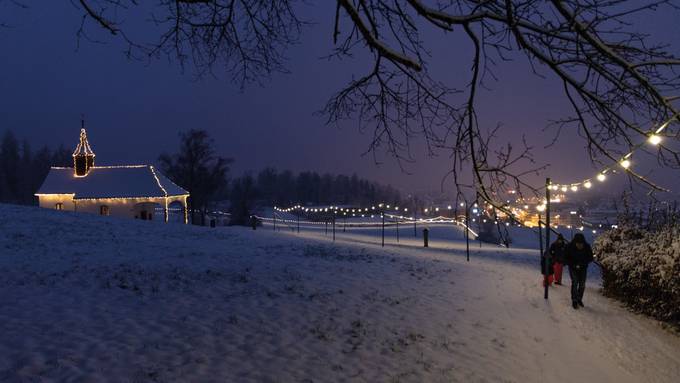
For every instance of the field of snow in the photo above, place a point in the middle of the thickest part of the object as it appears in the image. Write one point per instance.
(87, 298)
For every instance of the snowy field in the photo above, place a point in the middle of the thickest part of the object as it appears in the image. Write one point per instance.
(86, 298)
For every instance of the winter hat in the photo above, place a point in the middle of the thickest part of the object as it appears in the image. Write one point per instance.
(579, 238)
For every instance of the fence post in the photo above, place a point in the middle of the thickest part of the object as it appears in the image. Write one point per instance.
(383, 229)
(415, 220)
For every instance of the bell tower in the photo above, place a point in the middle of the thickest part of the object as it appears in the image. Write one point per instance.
(83, 156)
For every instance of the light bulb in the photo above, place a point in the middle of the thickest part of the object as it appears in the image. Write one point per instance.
(564, 188)
(654, 139)
(601, 177)
(625, 164)
(574, 188)
(588, 185)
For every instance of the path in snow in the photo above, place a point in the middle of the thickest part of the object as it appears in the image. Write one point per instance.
(87, 298)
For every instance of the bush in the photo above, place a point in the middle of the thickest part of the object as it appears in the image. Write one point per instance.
(641, 268)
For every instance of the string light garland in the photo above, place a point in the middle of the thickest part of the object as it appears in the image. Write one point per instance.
(654, 138)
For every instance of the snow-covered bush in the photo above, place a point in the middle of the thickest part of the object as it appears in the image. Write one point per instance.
(642, 268)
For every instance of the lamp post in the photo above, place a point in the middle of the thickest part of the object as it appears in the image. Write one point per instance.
(547, 232)
(467, 231)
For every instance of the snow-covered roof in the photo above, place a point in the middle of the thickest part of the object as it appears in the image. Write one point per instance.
(136, 181)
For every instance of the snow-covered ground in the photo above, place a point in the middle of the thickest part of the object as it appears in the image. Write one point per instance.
(85, 298)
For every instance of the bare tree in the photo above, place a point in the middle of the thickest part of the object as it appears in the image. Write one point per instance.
(620, 84)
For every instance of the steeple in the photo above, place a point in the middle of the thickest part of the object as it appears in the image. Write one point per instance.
(83, 156)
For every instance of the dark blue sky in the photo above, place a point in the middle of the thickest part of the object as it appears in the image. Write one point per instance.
(134, 110)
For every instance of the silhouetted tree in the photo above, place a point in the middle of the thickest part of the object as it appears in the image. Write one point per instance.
(285, 189)
(242, 198)
(617, 82)
(10, 168)
(198, 169)
(22, 171)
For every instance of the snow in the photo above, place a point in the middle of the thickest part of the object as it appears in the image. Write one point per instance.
(111, 181)
(88, 298)
(644, 268)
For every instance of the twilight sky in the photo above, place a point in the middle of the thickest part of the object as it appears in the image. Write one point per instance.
(134, 110)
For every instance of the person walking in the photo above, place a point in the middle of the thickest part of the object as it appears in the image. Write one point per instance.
(577, 256)
(547, 270)
(557, 250)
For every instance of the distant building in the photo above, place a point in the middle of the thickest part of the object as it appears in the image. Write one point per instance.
(132, 191)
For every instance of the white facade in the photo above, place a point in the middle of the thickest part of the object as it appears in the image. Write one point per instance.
(130, 191)
(137, 208)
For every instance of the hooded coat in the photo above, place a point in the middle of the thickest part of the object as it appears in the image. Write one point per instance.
(558, 251)
(576, 257)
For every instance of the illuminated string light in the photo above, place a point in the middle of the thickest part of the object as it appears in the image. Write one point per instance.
(654, 137)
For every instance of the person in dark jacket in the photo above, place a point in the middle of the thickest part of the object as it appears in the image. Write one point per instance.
(557, 251)
(547, 270)
(577, 256)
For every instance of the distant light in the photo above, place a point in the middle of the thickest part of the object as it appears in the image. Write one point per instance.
(540, 207)
(564, 188)
(574, 188)
(588, 185)
(462, 204)
(449, 207)
(601, 177)
(625, 164)
(655, 139)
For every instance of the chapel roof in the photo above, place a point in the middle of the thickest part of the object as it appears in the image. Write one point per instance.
(134, 181)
